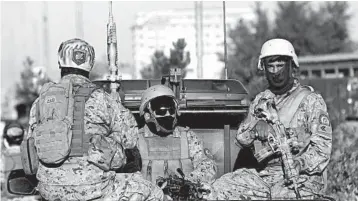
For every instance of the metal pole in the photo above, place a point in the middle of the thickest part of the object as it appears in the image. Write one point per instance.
(46, 36)
(225, 48)
(199, 37)
(79, 20)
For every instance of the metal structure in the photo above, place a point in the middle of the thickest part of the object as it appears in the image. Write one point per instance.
(225, 44)
(79, 19)
(46, 42)
(199, 37)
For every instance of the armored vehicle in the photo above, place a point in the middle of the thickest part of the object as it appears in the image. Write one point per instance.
(212, 108)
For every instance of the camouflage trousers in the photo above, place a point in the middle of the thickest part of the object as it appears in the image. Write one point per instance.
(244, 184)
(121, 187)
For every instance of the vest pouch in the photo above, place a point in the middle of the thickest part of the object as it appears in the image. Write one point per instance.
(53, 141)
(29, 158)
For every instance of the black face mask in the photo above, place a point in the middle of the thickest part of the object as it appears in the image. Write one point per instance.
(166, 122)
(281, 81)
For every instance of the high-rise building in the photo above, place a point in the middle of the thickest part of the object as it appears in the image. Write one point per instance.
(159, 29)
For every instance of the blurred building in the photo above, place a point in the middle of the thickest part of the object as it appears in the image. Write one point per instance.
(158, 30)
(338, 65)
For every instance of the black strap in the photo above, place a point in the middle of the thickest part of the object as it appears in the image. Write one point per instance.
(80, 141)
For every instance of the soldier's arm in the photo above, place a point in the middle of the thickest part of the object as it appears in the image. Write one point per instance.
(246, 133)
(106, 148)
(205, 168)
(124, 127)
(318, 151)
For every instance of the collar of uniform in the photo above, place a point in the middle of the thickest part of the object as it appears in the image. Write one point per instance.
(279, 99)
(148, 133)
(296, 84)
(76, 78)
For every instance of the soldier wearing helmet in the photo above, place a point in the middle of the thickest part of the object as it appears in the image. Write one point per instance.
(102, 128)
(164, 146)
(303, 115)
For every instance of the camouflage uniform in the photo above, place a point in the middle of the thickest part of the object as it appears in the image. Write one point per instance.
(203, 168)
(112, 128)
(313, 131)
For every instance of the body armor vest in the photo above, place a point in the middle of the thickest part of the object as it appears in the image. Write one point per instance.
(287, 110)
(161, 156)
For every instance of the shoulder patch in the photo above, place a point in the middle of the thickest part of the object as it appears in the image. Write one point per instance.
(324, 120)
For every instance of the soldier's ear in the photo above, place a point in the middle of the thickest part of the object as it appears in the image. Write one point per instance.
(146, 116)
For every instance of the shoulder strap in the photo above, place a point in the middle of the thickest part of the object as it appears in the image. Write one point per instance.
(80, 141)
(184, 142)
(291, 106)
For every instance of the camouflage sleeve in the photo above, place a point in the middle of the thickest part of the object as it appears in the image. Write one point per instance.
(205, 168)
(32, 119)
(106, 149)
(123, 126)
(316, 156)
(246, 133)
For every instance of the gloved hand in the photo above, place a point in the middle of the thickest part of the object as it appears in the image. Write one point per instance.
(134, 161)
(262, 130)
(266, 110)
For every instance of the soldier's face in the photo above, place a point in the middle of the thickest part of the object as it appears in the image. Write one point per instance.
(276, 66)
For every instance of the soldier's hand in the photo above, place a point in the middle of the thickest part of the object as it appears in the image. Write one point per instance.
(262, 130)
(266, 110)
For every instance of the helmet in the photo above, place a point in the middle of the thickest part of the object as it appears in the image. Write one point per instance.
(76, 53)
(154, 92)
(277, 46)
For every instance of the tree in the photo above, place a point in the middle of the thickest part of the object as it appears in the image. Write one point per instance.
(32, 79)
(178, 58)
(161, 64)
(312, 31)
(246, 39)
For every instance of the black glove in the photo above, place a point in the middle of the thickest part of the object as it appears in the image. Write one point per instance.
(134, 161)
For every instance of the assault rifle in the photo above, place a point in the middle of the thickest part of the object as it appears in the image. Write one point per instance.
(178, 188)
(278, 144)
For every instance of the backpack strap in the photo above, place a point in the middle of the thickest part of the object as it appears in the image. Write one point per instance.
(291, 106)
(80, 141)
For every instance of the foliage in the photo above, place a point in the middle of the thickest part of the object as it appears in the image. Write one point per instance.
(161, 64)
(319, 31)
(312, 31)
(247, 39)
(27, 90)
(342, 169)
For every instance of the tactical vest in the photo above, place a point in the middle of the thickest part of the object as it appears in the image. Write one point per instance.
(79, 142)
(161, 156)
(286, 113)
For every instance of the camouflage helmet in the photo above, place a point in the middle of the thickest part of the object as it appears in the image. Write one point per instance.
(76, 53)
(154, 92)
(275, 47)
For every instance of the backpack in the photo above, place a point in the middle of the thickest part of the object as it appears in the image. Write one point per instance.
(60, 125)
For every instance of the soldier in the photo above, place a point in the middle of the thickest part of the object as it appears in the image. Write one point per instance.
(164, 146)
(79, 154)
(286, 107)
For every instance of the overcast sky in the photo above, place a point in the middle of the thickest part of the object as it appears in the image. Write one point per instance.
(22, 29)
